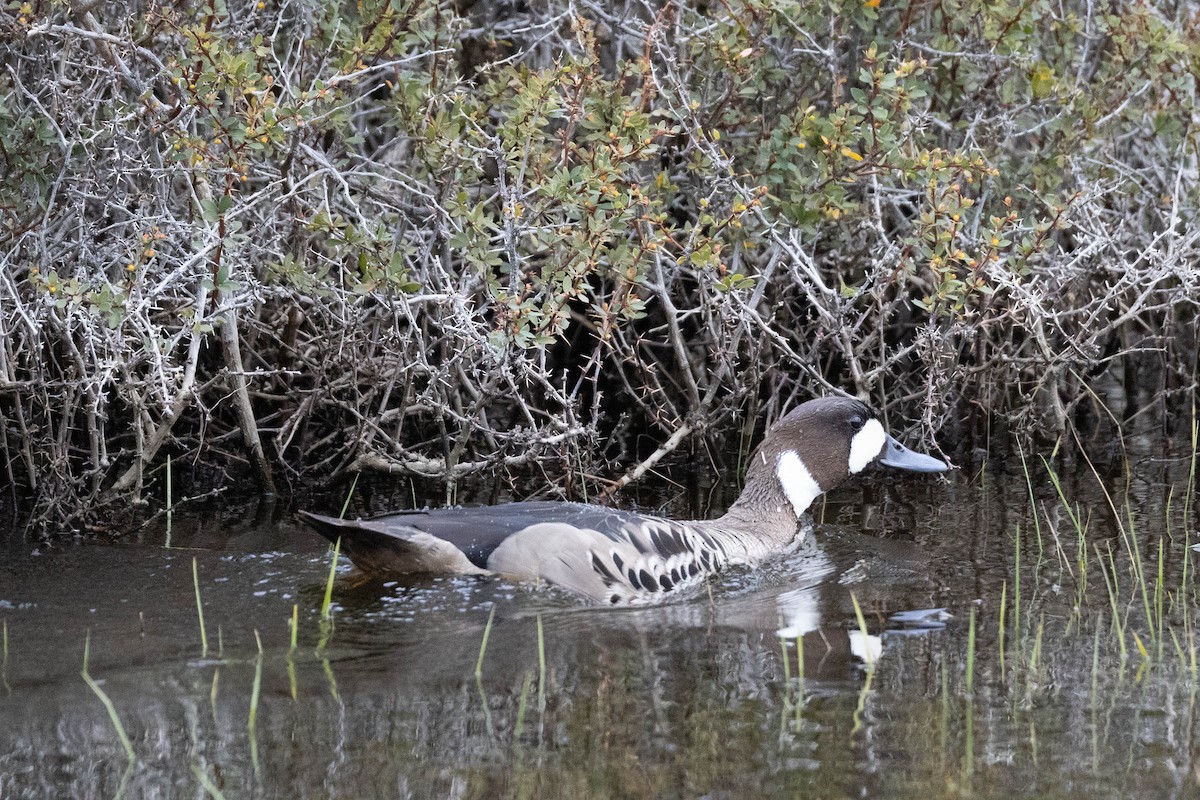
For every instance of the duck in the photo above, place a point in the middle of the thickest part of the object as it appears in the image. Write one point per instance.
(616, 557)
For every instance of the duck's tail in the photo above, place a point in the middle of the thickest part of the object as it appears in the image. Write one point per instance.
(382, 549)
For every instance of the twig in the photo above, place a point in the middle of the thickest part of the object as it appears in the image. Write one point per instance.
(646, 464)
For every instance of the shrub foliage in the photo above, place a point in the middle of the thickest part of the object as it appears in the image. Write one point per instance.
(296, 238)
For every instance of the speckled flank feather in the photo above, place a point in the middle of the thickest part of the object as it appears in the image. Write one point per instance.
(636, 563)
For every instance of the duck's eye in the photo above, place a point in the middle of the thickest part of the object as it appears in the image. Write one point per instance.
(857, 421)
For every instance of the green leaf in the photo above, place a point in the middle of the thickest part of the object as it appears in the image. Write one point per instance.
(1041, 82)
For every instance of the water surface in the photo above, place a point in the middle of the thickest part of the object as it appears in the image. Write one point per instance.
(710, 696)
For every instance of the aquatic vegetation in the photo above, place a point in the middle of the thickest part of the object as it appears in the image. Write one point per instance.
(207, 783)
(199, 609)
(327, 601)
(108, 703)
(4, 655)
(487, 631)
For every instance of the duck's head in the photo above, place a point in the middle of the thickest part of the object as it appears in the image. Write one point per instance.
(818, 445)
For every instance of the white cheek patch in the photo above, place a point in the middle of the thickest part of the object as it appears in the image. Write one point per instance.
(866, 445)
(799, 486)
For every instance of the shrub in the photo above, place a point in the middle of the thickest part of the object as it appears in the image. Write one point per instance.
(429, 238)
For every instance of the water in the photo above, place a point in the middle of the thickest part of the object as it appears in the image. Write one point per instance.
(698, 698)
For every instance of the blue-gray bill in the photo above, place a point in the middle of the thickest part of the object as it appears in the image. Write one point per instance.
(898, 456)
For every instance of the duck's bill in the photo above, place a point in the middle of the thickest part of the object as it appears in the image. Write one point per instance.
(898, 456)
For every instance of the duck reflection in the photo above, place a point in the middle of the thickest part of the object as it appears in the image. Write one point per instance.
(813, 601)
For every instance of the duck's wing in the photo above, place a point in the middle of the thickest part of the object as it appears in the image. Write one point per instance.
(380, 547)
(453, 540)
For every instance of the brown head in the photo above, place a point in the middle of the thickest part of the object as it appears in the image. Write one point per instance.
(818, 445)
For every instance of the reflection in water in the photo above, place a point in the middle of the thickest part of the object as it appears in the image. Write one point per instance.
(756, 685)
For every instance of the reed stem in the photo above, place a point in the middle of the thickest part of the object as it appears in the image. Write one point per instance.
(104, 698)
(487, 631)
(199, 609)
(337, 546)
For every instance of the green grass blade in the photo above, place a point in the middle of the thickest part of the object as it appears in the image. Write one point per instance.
(207, 784)
(971, 653)
(199, 609)
(349, 496)
(337, 546)
(1000, 634)
(862, 629)
(170, 502)
(541, 639)
(487, 631)
(104, 698)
